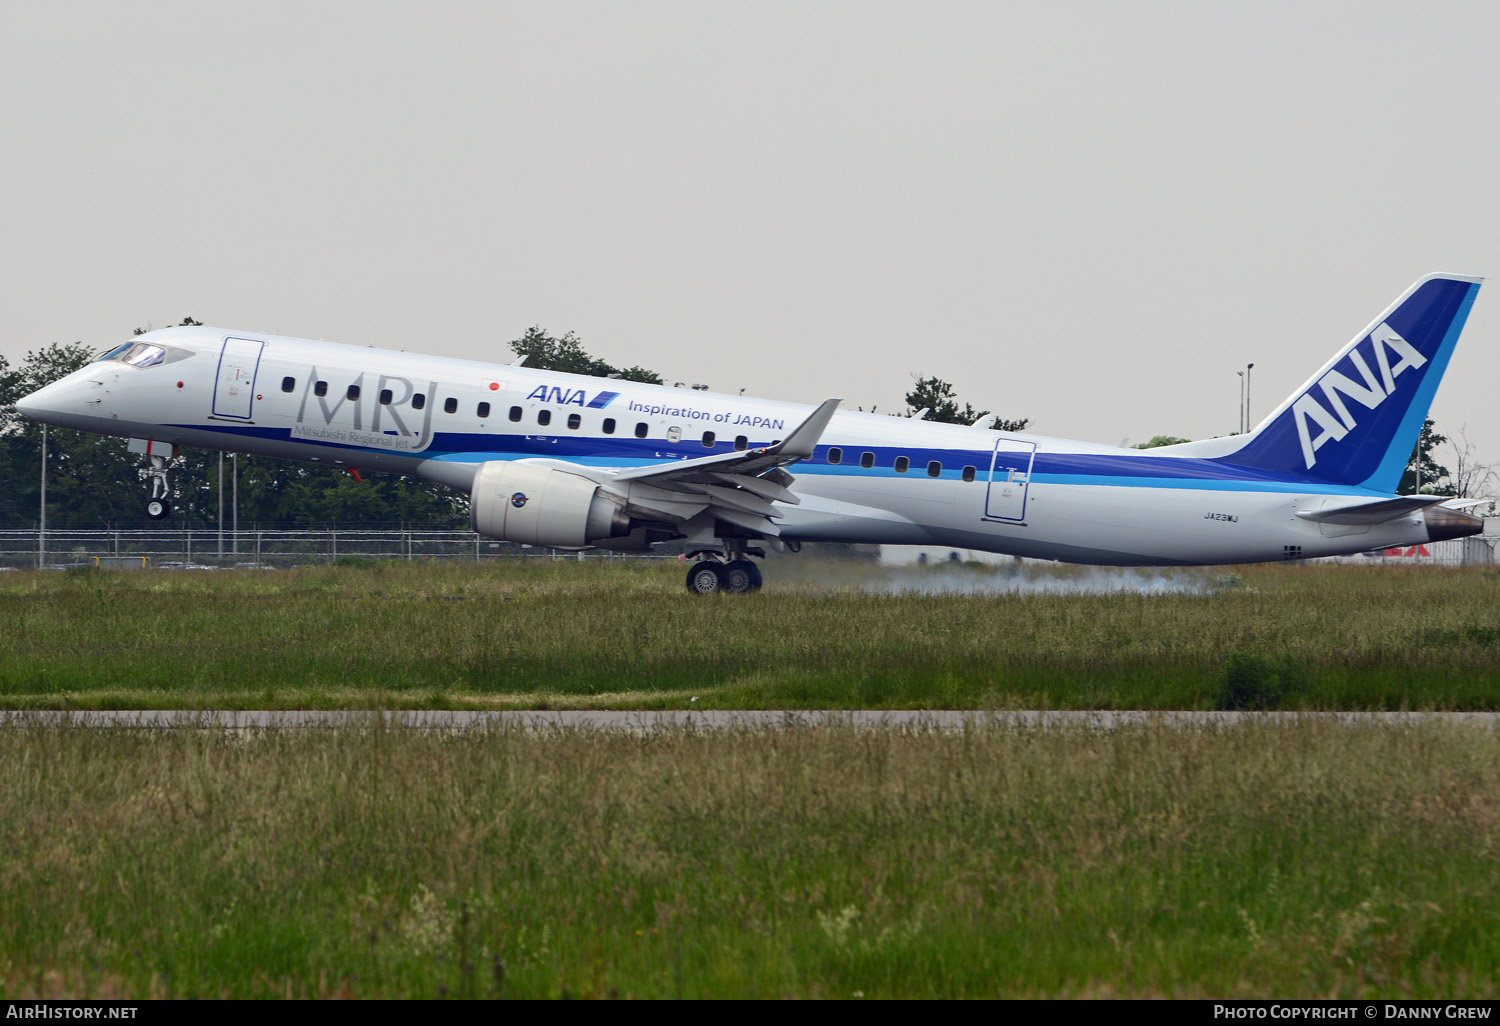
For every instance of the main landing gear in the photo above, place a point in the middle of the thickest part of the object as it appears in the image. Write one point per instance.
(714, 573)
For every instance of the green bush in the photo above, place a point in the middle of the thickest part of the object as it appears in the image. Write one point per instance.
(362, 562)
(1250, 681)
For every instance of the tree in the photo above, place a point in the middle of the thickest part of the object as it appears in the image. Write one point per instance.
(1470, 478)
(1160, 440)
(940, 400)
(1432, 472)
(186, 322)
(548, 352)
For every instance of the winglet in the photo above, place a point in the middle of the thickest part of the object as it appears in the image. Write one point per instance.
(804, 437)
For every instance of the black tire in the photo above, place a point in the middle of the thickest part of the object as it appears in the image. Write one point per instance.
(705, 578)
(158, 509)
(741, 577)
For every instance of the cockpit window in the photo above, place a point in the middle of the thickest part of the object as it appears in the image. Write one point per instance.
(142, 354)
(145, 355)
(114, 353)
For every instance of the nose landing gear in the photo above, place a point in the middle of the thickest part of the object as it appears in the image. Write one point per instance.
(158, 507)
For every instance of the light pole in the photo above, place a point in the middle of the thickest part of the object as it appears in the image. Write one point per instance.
(41, 538)
(1248, 366)
(1241, 428)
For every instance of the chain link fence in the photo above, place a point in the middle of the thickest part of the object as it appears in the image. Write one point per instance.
(180, 549)
(184, 549)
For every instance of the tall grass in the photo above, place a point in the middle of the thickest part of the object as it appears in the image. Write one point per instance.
(1314, 860)
(626, 634)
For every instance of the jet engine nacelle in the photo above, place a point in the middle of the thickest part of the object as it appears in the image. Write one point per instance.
(537, 505)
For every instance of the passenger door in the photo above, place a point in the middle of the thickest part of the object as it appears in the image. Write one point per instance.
(1010, 476)
(234, 388)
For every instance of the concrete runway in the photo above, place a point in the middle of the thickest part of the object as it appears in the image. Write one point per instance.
(715, 719)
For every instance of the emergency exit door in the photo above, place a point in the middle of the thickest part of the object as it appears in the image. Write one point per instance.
(234, 388)
(1010, 476)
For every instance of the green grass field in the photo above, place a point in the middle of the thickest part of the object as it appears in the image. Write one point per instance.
(1314, 861)
(1310, 860)
(623, 633)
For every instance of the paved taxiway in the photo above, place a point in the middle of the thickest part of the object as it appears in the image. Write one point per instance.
(645, 721)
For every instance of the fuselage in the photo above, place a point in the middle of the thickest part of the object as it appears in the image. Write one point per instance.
(871, 478)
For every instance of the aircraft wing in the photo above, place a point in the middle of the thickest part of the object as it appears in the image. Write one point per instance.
(1375, 511)
(738, 487)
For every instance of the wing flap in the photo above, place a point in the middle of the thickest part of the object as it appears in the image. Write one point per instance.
(741, 499)
(649, 502)
(749, 521)
(762, 486)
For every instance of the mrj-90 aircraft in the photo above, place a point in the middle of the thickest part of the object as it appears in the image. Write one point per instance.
(573, 462)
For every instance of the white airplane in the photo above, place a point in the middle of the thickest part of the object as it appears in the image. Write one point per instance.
(573, 462)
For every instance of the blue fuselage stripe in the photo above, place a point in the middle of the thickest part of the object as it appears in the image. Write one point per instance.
(1092, 469)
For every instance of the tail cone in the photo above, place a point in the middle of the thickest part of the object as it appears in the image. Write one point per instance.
(1443, 524)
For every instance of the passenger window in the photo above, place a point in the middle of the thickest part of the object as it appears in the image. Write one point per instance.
(934, 469)
(741, 443)
(288, 384)
(835, 454)
(574, 420)
(320, 389)
(640, 430)
(484, 410)
(708, 439)
(968, 473)
(544, 417)
(353, 393)
(385, 396)
(867, 460)
(609, 425)
(901, 464)
(515, 413)
(418, 400)
(450, 405)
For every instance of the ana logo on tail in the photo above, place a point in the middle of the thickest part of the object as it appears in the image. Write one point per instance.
(1336, 386)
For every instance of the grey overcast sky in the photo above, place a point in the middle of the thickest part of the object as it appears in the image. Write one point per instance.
(1091, 214)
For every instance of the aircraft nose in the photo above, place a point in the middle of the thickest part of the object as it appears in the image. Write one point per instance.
(27, 404)
(39, 403)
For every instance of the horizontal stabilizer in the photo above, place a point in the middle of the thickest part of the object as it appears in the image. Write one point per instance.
(1377, 511)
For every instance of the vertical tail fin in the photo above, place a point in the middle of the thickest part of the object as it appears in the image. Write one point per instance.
(1356, 420)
